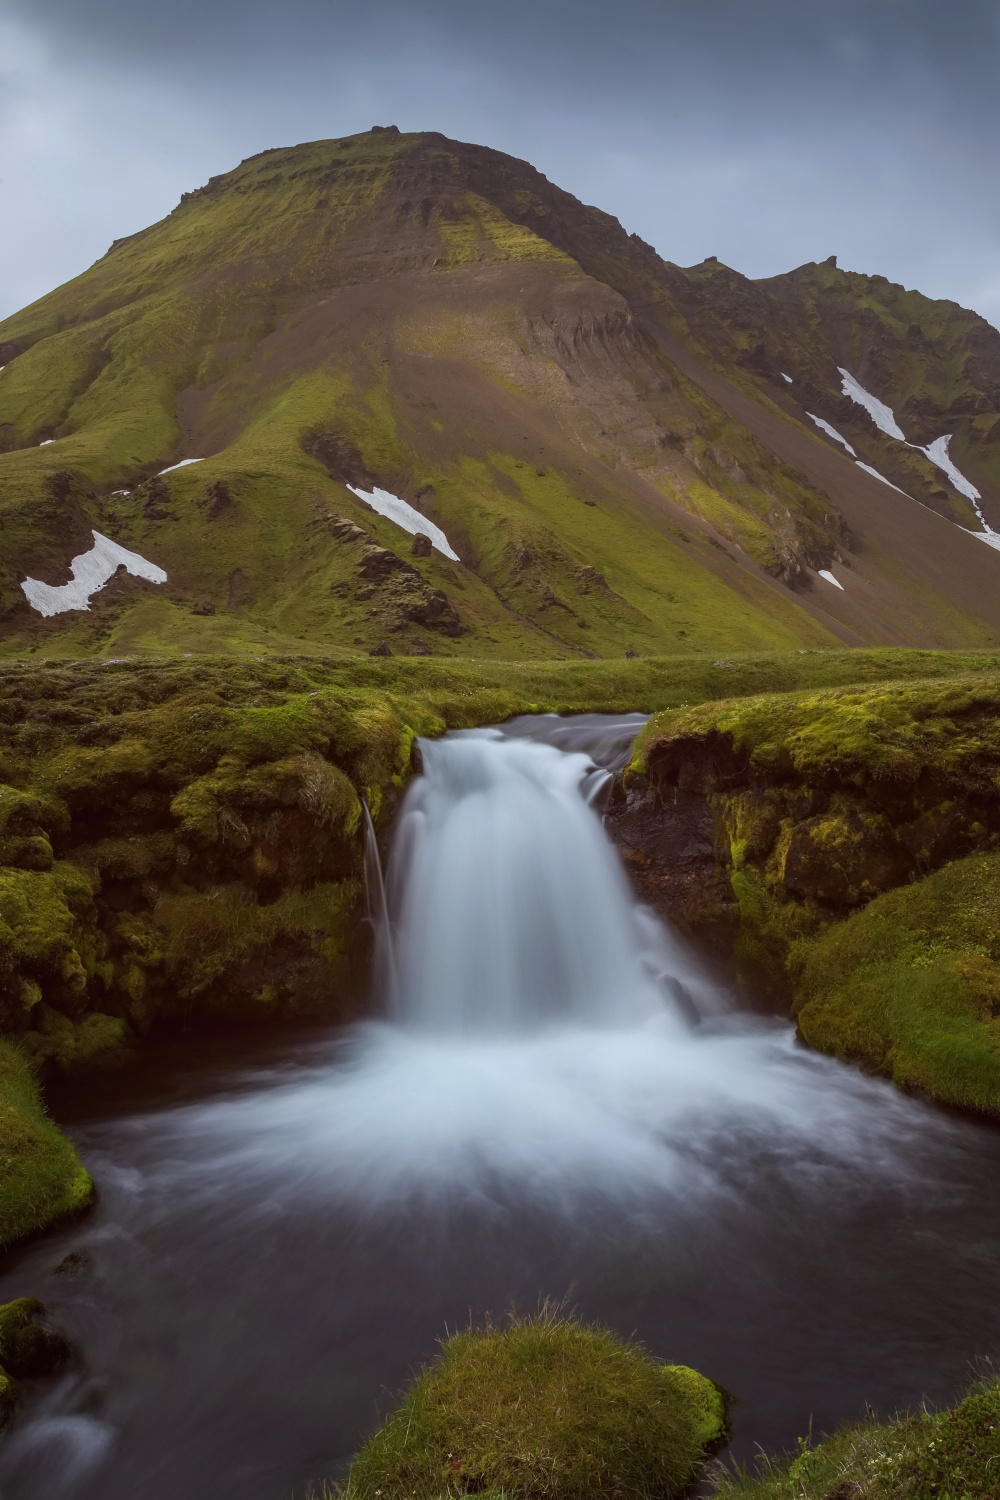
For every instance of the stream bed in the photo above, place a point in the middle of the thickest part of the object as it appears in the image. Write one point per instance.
(556, 1102)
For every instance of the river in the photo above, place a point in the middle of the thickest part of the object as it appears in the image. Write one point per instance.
(554, 1100)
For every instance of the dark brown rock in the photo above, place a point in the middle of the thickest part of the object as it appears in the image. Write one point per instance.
(156, 501)
(421, 545)
(382, 649)
(219, 498)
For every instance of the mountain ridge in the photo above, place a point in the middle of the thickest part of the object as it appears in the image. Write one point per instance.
(539, 383)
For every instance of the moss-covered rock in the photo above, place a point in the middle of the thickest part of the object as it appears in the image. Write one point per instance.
(545, 1406)
(29, 1347)
(858, 829)
(41, 1178)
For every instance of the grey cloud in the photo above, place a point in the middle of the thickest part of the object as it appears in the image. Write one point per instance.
(767, 133)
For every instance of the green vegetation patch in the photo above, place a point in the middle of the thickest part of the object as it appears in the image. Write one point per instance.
(910, 985)
(545, 1406)
(889, 732)
(42, 1179)
(948, 1455)
(860, 828)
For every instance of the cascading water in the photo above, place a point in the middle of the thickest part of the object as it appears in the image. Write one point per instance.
(510, 911)
(556, 1100)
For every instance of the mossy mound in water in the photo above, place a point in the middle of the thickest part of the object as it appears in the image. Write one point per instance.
(42, 1179)
(543, 1407)
(27, 1347)
(949, 1455)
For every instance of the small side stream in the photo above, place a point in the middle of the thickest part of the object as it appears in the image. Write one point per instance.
(563, 1105)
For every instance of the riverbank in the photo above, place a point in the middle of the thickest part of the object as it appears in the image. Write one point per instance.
(850, 853)
(181, 842)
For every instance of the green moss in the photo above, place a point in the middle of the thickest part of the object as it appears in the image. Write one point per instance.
(26, 1346)
(42, 1180)
(890, 732)
(827, 802)
(947, 1455)
(910, 986)
(544, 1406)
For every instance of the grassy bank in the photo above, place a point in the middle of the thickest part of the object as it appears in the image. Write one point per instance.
(180, 841)
(948, 1455)
(859, 828)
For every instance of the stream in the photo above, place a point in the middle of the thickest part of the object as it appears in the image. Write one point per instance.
(555, 1100)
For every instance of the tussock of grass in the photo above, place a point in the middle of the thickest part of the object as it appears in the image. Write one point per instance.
(544, 1406)
(948, 1455)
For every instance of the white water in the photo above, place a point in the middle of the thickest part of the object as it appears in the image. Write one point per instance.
(547, 1035)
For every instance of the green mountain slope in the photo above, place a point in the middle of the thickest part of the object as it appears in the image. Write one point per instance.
(438, 321)
(934, 364)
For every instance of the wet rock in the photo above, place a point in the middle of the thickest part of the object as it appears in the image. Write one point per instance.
(669, 853)
(29, 1347)
(74, 1265)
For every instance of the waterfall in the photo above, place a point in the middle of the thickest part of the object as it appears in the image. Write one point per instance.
(509, 910)
(378, 914)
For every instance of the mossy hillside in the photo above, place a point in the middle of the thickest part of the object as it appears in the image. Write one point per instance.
(936, 364)
(42, 1180)
(206, 333)
(923, 1455)
(910, 985)
(544, 1406)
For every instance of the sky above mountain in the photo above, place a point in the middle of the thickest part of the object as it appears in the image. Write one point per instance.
(767, 133)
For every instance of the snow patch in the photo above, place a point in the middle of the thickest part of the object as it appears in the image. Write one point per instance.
(406, 516)
(45, 443)
(182, 465)
(91, 571)
(825, 573)
(787, 377)
(880, 414)
(876, 475)
(938, 454)
(832, 432)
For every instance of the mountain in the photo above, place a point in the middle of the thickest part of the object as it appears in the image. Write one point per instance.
(608, 452)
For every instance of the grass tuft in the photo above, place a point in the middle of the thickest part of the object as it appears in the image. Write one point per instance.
(543, 1406)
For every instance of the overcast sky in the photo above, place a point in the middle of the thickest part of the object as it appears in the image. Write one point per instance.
(767, 132)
